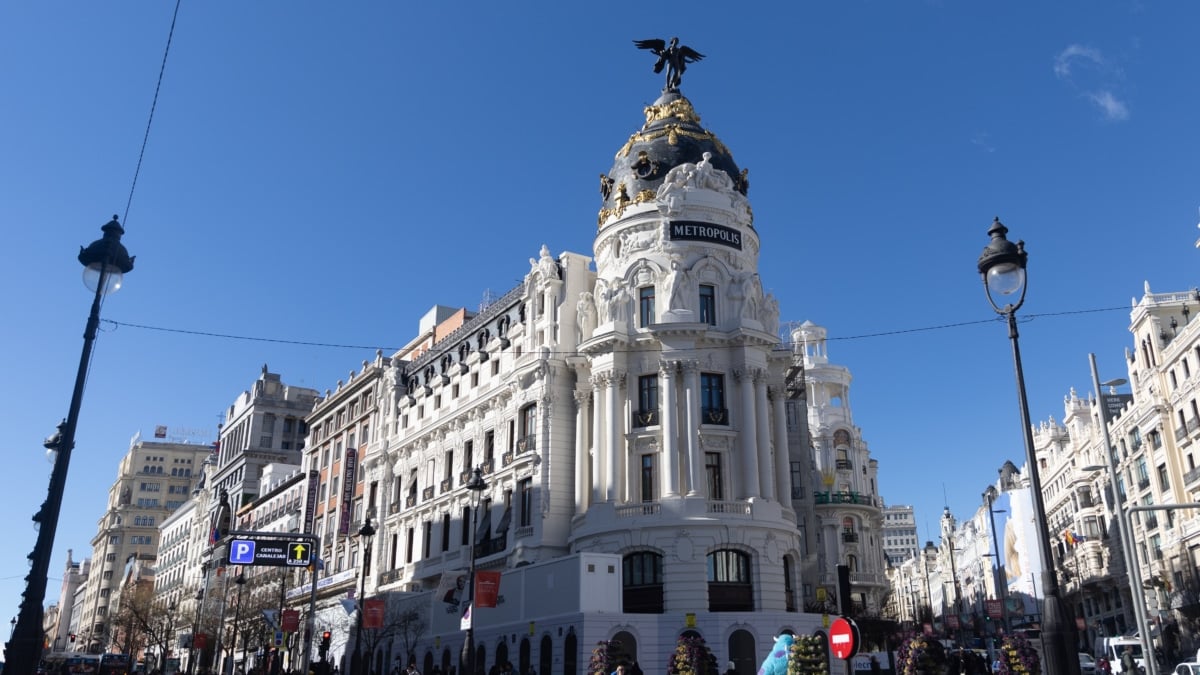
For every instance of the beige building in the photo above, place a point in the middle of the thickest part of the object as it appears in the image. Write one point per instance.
(153, 480)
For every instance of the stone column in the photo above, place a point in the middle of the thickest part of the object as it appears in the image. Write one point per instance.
(766, 478)
(783, 458)
(612, 471)
(691, 399)
(749, 488)
(597, 381)
(582, 452)
(669, 480)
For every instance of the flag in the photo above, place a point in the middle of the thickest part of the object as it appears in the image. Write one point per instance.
(373, 611)
(1072, 538)
(214, 536)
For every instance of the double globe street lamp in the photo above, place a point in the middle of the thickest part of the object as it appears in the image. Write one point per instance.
(476, 485)
(1002, 267)
(105, 263)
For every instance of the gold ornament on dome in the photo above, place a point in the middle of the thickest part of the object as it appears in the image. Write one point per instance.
(672, 132)
(644, 196)
(680, 109)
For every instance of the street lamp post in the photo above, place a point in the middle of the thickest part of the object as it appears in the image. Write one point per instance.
(105, 263)
(929, 550)
(1002, 267)
(1124, 527)
(1000, 578)
(948, 538)
(237, 618)
(367, 531)
(476, 485)
(162, 664)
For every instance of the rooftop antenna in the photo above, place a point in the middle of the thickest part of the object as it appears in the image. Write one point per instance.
(488, 298)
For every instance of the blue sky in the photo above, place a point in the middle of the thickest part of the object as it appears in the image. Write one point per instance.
(325, 172)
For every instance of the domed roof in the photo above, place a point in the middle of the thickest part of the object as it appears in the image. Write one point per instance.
(671, 136)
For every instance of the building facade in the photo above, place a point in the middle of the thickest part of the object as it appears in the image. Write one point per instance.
(153, 480)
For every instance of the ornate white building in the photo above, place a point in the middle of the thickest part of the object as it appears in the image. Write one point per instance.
(632, 424)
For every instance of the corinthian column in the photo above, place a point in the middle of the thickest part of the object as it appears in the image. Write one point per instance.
(749, 435)
(582, 455)
(765, 478)
(691, 400)
(614, 437)
(597, 381)
(670, 450)
(783, 458)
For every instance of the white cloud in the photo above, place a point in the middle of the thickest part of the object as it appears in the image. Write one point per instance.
(1087, 72)
(1064, 61)
(1112, 107)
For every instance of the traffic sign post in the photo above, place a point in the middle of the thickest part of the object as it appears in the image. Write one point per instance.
(270, 552)
(843, 638)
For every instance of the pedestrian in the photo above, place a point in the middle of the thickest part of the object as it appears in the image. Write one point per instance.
(874, 665)
(730, 669)
(1128, 664)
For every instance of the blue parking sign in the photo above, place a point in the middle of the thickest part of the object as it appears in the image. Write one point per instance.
(241, 552)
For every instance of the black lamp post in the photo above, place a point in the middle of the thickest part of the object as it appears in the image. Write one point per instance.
(1001, 579)
(476, 485)
(240, 580)
(1002, 267)
(191, 669)
(166, 646)
(948, 538)
(105, 262)
(930, 550)
(367, 531)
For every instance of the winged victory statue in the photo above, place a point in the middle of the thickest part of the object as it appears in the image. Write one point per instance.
(673, 56)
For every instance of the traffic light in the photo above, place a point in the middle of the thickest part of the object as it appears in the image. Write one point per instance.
(72, 635)
(323, 649)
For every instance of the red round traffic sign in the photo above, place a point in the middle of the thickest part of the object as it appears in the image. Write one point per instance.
(843, 638)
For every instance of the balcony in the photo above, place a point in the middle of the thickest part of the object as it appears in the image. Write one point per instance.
(487, 467)
(1193, 424)
(1191, 476)
(506, 459)
(1143, 483)
(410, 501)
(714, 416)
(850, 536)
(843, 498)
(446, 485)
(1150, 522)
(844, 465)
(640, 509)
(391, 576)
(526, 444)
(522, 532)
(486, 548)
(645, 418)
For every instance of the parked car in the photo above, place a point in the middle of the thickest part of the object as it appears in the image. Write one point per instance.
(1087, 665)
(1188, 668)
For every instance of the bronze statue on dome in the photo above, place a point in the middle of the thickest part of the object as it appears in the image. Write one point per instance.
(673, 56)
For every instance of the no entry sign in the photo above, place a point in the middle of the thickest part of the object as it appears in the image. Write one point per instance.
(843, 638)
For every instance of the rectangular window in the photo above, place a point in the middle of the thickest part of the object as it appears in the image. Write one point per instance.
(645, 306)
(712, 399)
(647, 478)
(448, 472)
(708, 304)
(648, 393)
(525, 495)
(408, 553)
(468, 455)
(797, 480)
(466, 525)
(489, 445)
(712, 472)
(446, 532)
(427, 539)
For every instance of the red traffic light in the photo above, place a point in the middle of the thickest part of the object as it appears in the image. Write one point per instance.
(326, 635)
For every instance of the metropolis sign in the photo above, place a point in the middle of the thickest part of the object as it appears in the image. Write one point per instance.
(690, 230)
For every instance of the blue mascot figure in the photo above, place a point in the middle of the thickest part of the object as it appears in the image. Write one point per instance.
(776, 662)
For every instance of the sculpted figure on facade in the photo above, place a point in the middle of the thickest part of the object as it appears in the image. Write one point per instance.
(768, 314)
(641, 240)
(678, 283)
(585, 315)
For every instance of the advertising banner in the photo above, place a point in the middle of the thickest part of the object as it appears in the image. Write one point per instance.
(291, 620)
(487, 588)
(351, 466)
(373, 610)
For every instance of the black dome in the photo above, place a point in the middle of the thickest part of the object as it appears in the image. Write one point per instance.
(671, 136)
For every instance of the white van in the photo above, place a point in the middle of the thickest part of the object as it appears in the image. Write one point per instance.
(1111, 648)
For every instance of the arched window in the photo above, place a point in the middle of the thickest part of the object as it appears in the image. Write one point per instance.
(642, 576)
(729, 586)
(570, 654)
(546, 655)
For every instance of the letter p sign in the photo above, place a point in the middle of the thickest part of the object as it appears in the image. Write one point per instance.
(241, 552)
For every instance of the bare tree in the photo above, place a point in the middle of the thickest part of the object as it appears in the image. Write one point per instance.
(405, 623)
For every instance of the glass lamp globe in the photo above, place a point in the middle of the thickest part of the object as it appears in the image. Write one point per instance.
(112, 278)
(1006, 279)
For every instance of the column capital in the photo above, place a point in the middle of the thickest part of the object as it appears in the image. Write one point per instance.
(668, 367)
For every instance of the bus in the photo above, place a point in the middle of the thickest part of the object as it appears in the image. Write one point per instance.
(115, 664)
(70, 663)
